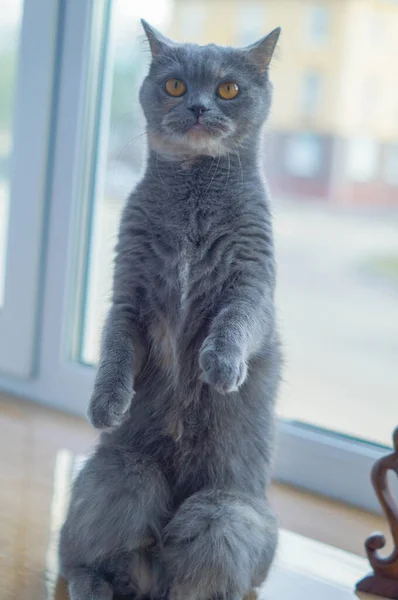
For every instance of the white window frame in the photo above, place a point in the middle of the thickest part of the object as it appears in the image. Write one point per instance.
(32, 121)
(60, 381)
(327, 464)
(318, 461)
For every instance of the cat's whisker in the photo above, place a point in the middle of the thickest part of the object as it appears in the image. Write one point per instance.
(157, 168)
(241, 168)
(124, 149)
(211, 166)
(154, 133)
(236, 151)
(214, 174)
(229, 171)
(129, 144)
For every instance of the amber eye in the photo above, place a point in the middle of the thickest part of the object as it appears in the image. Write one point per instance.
(228, 90)
(175, 87)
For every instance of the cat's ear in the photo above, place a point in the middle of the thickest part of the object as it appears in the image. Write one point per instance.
(158, 43)
(261, 52)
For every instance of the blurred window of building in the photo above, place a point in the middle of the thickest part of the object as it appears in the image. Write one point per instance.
(311, 90)
(303, 156)
(251, 22)
(319, 24)
(391, 165)
(362, 159)
(378, 25)
(371, 98)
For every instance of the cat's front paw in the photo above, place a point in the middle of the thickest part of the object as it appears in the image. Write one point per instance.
(224, 371)
(108, 409)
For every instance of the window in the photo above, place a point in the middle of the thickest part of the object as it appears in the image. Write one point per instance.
(371, 99)
(391, 165)
(122, 151)
(77, 148)
(319, 22)
(28, 38)
(362, 159)
(378, 30)
(310, 94)
(251, 23)
(303, 155)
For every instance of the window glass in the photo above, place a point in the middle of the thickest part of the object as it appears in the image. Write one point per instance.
(336, 220)
(10, 22)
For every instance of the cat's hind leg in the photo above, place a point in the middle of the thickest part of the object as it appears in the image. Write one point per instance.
(85, 584)
(219, 545)
(120, 503)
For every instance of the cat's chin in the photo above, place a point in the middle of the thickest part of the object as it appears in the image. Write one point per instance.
(197, 141)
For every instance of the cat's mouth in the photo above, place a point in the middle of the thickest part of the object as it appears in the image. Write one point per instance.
(201, 136)
(199, 125)
(199, 128)
(202, 127)
(206, 132)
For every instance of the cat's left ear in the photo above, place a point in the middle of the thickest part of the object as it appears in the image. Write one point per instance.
(158, 43)
(261, 52)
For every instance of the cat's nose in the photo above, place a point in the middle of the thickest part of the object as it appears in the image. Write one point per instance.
(198, 109)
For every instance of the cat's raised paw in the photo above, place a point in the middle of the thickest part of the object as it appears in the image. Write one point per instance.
(224, 372)
(107, 410)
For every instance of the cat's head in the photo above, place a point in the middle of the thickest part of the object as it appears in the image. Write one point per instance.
(205, 100)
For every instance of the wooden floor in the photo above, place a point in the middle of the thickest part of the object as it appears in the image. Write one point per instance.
(32, 438)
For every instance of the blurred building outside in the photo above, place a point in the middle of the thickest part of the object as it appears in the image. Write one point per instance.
(333, 133)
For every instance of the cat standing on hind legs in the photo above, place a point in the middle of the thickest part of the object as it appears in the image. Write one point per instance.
(173, 499)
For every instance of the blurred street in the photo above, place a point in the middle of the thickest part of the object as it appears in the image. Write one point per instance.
(339, 321)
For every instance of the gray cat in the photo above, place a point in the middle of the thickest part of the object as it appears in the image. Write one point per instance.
(173, 501)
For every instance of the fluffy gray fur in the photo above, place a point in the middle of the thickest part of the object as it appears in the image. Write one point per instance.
(173, 502)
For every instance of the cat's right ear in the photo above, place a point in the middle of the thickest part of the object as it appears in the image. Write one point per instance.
(260, 53)
(158, 43)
